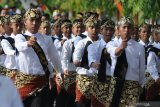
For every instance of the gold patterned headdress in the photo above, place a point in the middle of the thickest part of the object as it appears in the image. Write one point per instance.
(92, 21)
(6, 18)
(107, 23)
(45, 23)
(1, 20)
(66, 23)
(16, 18)
(32, 13)
(77, 22)
(125, 20)
(56, 23)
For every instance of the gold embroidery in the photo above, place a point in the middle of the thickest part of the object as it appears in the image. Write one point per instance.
(22, 79)
(85, 84)
(130, 94)
(103, 91)
(69, 79)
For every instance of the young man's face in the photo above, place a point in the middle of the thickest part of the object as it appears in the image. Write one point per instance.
(32, 24)
(135, 35)
(7, 28)
(66, 30)
(107, 33)
(56, 30)
(77, 29)
(144, 34)
(16, 27)
(93, 31)
(156, 36)
(45, 30)
(125, 31)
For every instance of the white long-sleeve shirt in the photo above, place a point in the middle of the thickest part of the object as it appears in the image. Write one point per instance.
(135, 55)
(59, 45)
(28, 60)
(2, 57)
(67, 53)
(153, 63)
(94, 55)
(78, 54)
(9, 96)
(10, 60)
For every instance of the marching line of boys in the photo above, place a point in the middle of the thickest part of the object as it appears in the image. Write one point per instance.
(78, 70)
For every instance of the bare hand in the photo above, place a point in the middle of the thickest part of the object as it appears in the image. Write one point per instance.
(95, 65)
(51, 83)
(123, 44)
(62, 41)
(66, 72)
(77, 63)
(59, 79)
(32, 41)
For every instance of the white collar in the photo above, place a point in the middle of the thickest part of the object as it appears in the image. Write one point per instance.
(144, 44)
(28, 33)
(13, 36)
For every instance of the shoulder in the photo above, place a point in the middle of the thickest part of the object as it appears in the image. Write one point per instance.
(111, 43)
(20, 36)
(82, 41)
(82, 36)
(49, 38)
(68, 42)
(138, 44)
(96, 43)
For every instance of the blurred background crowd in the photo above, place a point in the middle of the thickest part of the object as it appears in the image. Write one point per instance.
(140, 10)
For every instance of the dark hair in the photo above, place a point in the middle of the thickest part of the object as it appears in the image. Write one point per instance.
(145, 25)
(77, 20)
(46, 15)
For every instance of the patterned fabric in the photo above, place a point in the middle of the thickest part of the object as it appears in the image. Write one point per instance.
(29, 84)
(107, 23)
(151, 88)
(83, 88)
(70, 82)
(16, 18)
(32, 13)
(125, 20)
(45, 23)
(8, 72)
(102, 92)
(130, 94)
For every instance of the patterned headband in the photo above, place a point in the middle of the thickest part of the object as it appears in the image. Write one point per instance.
(125, 20)
(66, 24)
(45, 23)
(108, 23)
(56, 23)
(16, 18)
(6, 19)
(32, 13)
(77, 23)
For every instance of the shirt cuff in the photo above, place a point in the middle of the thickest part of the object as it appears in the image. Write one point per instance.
(155, 77)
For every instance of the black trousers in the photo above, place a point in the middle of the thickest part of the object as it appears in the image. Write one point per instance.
(45, 98)
(65, 100)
